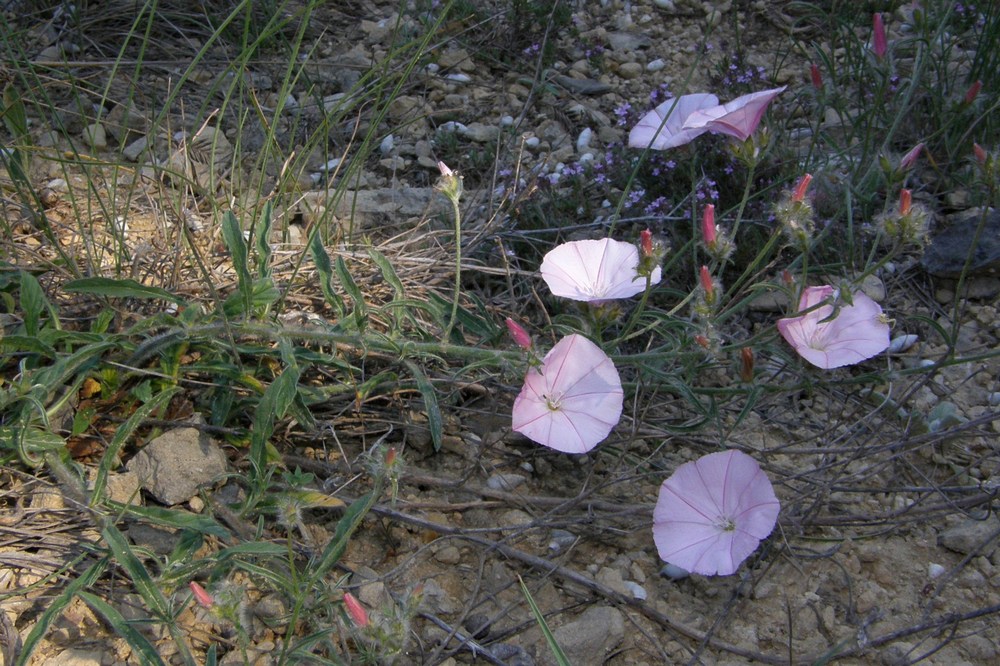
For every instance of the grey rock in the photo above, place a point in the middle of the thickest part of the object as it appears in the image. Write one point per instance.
(154, 539)
(511, 655)
(628, 41)
(75, 657)
(970, 535)
(134, 150)
(174, 465)
(581, 86)
(96, 136)
(501, 481)
(948, 250)
(588, 639)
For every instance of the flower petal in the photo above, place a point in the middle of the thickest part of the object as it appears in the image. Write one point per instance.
(712, 513)
(573, 400)
(652, 131)
(738, 118)
(594, 270)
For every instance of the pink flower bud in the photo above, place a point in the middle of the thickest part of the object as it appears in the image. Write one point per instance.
(646, 242)
(707, 284)
(445, 171)
(390, 456)
(708, 226)
(880, 45)
(357, 612)
(520, 335)
(816, 76)
(746, 364)
(703, 341)
(910, 158)
(972, 92)
(800, 189)
(979, 152)
(203, 598)
(905, 201)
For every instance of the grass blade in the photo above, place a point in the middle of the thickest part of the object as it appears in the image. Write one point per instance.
(140, 644)
(557, 651)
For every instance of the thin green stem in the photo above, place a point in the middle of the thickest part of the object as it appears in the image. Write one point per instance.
(458, 268)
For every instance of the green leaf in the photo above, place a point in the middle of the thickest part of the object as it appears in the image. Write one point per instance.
(141, 647)
(325, 270)
(345, 529)
(557, 651)
(232, 236)
(119, 288)
(263, 237)
(263, 293)
(272, 406)
(388, 272)
(137, 573)
(25, 343)
(174, 518)
(434, 420)
(351, 287)
(33, 303)
(54, 608)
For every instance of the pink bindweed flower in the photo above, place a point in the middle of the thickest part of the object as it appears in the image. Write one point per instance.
(880, 45)
(833, 339)
(659, 134)
(357, 612)
(203, 598)
(738, 118)
(573, 400)
(518, 333)
(595, 270)
(712, 513)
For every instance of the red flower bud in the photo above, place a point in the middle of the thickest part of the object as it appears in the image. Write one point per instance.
(708, 225)
(707, 284)
(746, 364)
(203, 598)
(646, 243)
(354, 608)
(816, 76)
(880, 45)
(800, 189)
(972, 92)
(905, 199)
(520, 335)
(703, 341)
(390, 456)
(980, 153)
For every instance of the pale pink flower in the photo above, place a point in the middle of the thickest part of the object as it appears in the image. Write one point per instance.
(518, 333)
(880, 45)
(595, 270)
(354, 608)
(738, 118)
(712, 513)
(573, 400)
(652, 131)
(856, 333)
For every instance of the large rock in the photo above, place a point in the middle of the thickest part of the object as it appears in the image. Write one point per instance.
(948, 250)
(174, 465)
(590, 638)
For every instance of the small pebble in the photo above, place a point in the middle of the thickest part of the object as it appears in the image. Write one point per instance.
(637, 591)
(901, 343)
(934, 570)
(655, 65)
(583, 141)
(458, 78)
(674, 572)
(561, 539)
(387, 144)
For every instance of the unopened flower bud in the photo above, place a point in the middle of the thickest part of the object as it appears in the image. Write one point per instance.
(796, 214)
(907, 225)
(707, 285)
(746, 364)
(203, 598)
(716, 241)
(880, 45)
(816, 76)
(703, 341)
(973, 92)
(517, 332)
(905, 201)
(646, 242)
(355, 610)
(980, 154)
(449, 184)
(910, 158)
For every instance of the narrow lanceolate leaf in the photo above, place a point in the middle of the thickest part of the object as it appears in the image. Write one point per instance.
(33, 302)
(554, 647)
(232, 236)
(389, 273)
(263, 238)
(140, 645)
(54, 608)
(137, 572)
(273, 405)
(123, 288)
(426, 388)
(351, 287)
(345, 529)
(325, 270)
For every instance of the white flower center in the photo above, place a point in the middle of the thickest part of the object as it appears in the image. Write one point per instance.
(726, 524)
